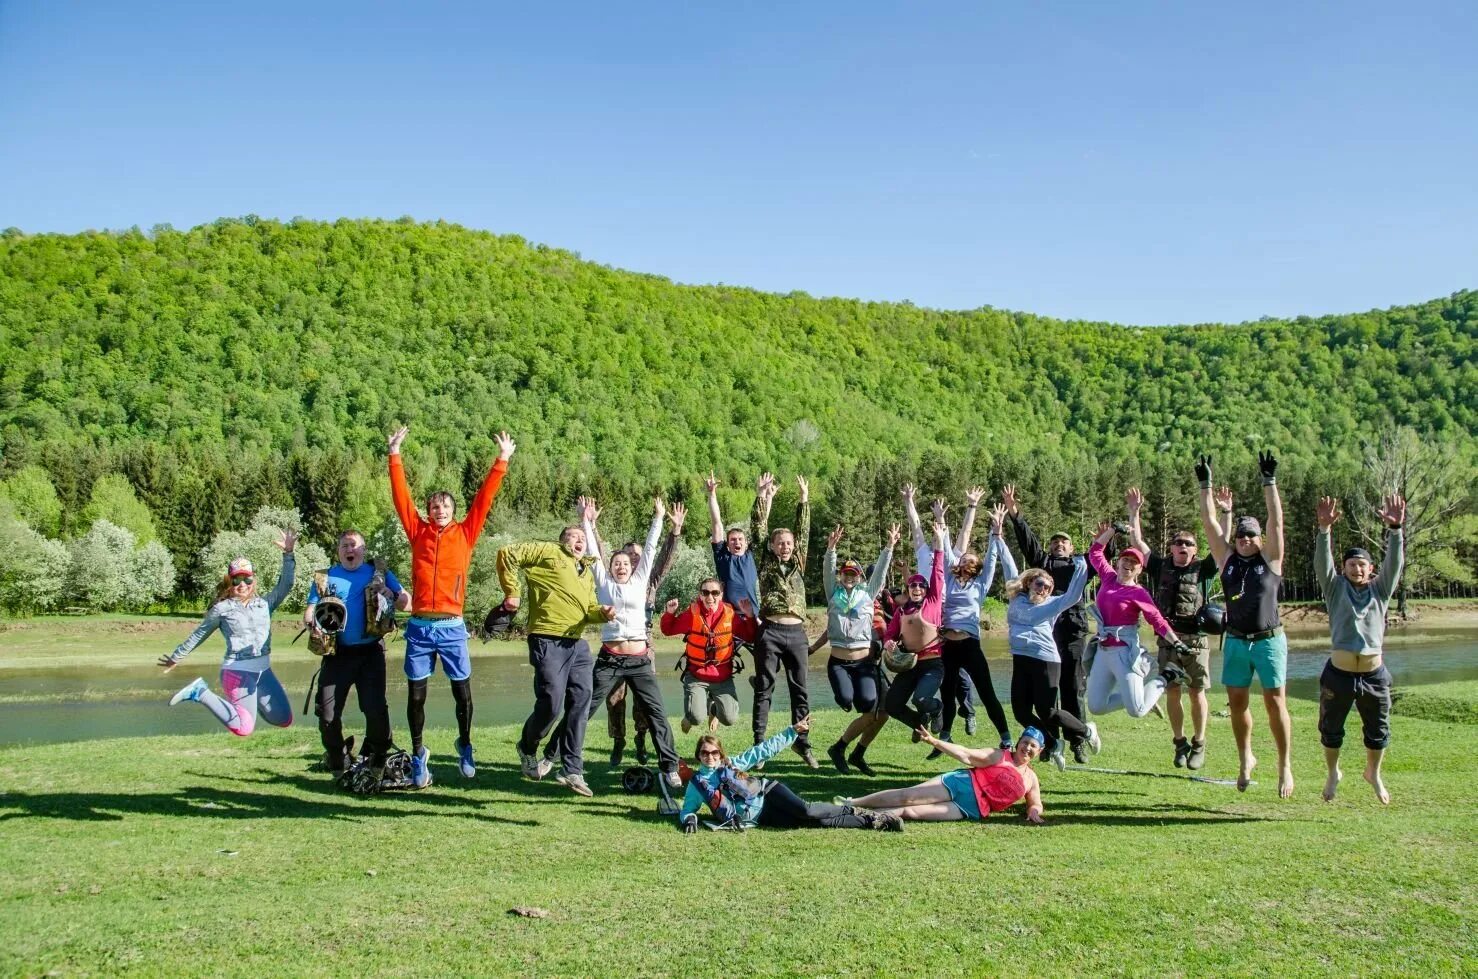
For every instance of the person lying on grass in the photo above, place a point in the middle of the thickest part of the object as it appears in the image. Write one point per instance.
(993, 780)
(740, 802)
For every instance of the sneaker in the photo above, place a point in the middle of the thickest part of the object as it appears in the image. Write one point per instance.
(841, 800)
(575, 782)
(618, 750)
(1006, 743)
(464, 759)
(807, 756)
(1059, 757)
(1095, 743)
(673, 780)
(888, 822)
(1080, 753)
(191, 691)
(858, 762)
(1182, 752)
(420, 768)
(533, 767)
(1155, 709)
(937, 751)
(838, 755)
(1197, 757)
(970, 726)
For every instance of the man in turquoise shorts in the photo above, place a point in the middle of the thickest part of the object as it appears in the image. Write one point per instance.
(1251, 573)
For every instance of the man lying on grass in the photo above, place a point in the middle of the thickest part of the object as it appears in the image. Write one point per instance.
(993, 780)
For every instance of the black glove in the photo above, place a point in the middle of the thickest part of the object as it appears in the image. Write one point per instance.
(1181, 649)
(1120, 527)
(1203, 472)
(1269, 467)
(690, 823)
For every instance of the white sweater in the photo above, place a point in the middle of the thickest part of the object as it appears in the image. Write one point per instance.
(629, 598)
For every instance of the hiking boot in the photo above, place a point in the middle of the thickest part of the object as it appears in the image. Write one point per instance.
(575, 782)
(618, 750)
(838, 755)
(192, 691)
(1182, 752)
(860, 763)
(533, 767)
(1080, 753)
(934, 721)
(806, 755)
(1196, 759)
(888, 822)
(673, 780)
(420, 770)
(1059, 757)
(641, 749)
(464, 759)
(937, 751)
(686, 725)
(970, 726)
(1095, 743)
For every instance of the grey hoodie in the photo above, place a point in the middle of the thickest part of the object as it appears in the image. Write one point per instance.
(1357, 616)
(247, 628)
(849, 612)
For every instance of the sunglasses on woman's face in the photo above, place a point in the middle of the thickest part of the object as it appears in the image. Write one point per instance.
(710, 594)
(243, 581)
(709, 753)
(1041, 586)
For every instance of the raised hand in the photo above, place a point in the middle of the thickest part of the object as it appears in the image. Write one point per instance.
(506, 445)
(659, 507)
(1268, 466)
(805, 488)
(711, 483)
(939, 508)
(1326, 512)
(747, 607)
(941, 531)
(1203, 471)
(677, 516)
(1133, 500)
(671, 606)
(1223, 499)
(894, 533)
(287, 541)
(974, 495)
(1393, 510)
(907, 492)
(1008, 498)
(588, 511)
(766, 486)
(998, 519)
(833, 537)
(165, 662)
(397, 437)
(803, 725)
(1104, 532)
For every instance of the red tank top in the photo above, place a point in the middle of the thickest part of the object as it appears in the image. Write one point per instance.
(997, 786)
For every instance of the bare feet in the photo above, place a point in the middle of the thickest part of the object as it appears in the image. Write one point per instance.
(1373, 777)
(1331, 784)
(1244, 775)
(1285, 782)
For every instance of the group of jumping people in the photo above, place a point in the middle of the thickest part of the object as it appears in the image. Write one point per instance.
(915, 657)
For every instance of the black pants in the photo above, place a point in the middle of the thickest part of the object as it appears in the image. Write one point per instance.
(640, 677)
(563, 675)
(1369, 693)
(920, 684)
(854, 683)
(966, 654)
(780, 645)
(1034, 684)
(1072, 634)
(363, 668)
(784, 809)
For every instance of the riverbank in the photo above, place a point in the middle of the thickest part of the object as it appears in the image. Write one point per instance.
(158, 856)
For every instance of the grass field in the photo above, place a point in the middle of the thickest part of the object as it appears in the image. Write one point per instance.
(213, 855)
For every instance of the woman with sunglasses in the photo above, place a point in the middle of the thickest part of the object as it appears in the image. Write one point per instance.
(740, 802)
(913, 635)
(245, 620)
(710, 628)
(992, 780)
(1032, 612)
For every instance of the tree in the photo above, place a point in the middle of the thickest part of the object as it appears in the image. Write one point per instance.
(256, 543)
(33, 569)
(35, 500)
(110, 573)
(113, 500)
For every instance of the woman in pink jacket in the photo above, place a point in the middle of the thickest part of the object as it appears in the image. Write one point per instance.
(913, 634)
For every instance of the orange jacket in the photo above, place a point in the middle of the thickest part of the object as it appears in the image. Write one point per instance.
(440, 555)
(709, 643)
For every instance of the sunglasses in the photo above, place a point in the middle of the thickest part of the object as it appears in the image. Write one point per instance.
(245, 580)
(1040, 585)
(1183, 543)
(710, 593)
(1246, 535)
(710, 752)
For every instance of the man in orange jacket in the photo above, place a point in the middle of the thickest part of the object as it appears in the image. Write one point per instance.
(441, 551)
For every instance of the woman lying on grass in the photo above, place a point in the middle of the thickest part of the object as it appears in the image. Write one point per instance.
(740, 802)
(993, 780)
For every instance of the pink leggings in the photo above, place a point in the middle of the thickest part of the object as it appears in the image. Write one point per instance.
(246, 694)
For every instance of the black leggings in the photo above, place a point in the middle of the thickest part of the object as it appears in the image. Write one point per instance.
(854, 683)
(784, 809)
(966, 654)
(415, 711)
(1034, 688)
(1071, 633)
(921, 685)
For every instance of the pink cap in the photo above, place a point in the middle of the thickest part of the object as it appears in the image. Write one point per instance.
(1132, 552)
(238, 567)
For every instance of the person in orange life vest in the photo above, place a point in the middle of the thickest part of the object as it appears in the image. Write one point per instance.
(991, 781)
(441, 551)
(709, 627)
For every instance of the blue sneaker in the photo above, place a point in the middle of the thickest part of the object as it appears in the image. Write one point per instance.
(191, 691)
(420, 773)
(464, 759)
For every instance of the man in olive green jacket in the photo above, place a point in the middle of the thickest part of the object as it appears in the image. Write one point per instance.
(561, 604)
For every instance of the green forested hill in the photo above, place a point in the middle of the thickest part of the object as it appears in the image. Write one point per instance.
(270, 359)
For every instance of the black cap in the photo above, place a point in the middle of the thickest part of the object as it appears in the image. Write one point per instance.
(1356, 552)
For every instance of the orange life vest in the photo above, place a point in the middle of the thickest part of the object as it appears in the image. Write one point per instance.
(713, 648)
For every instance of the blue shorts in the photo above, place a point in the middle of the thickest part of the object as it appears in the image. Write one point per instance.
(427, 640)
(962, 791)
(1269, 657)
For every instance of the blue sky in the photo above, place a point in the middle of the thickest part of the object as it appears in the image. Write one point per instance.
(1134, 162)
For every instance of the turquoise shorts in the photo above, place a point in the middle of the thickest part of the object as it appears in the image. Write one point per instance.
(962, 791)
(1269, 657)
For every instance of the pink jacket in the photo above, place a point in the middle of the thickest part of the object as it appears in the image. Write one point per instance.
(931, 610)
(1119, 604)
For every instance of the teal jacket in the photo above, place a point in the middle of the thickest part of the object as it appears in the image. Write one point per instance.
(708, 780)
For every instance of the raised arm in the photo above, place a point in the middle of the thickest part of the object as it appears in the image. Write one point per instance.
(1031, 548)
(759, 518)
(711, 484)
(589, 515)
(969, 757)
(1272, 545)
(654, 534)
(829, 562)
(973, 496)
(802, 523)
(1133, 501)
(1326, 515)
(482, 502)
(1057, 604)
(765, 750)
(1393, 515)
(1007, 562)
(915, 527)
(1216, 535)
(285, 576)
(885, 558)
(1096, 558)
(668, 552)
(197, 636)
(400, 488)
